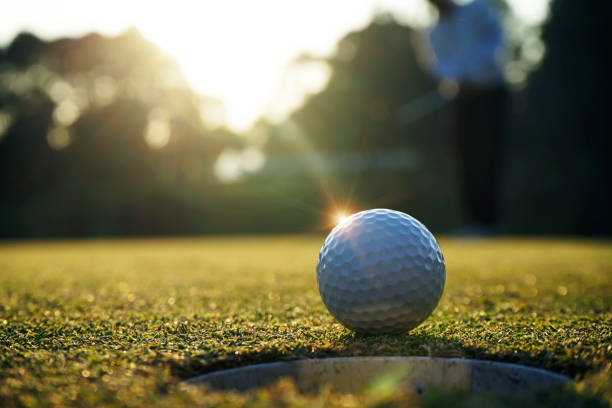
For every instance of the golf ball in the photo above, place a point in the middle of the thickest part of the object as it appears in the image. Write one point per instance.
(380, 271)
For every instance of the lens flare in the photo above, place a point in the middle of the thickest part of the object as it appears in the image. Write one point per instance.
(340, 218)
(338, 214)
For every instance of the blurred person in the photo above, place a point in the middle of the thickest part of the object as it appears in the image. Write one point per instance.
(463, 50)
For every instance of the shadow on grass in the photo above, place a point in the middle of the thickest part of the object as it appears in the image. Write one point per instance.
(568, 395)
(387, 345)
(558, 397)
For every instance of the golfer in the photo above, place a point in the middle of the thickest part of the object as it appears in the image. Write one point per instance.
(464, 51)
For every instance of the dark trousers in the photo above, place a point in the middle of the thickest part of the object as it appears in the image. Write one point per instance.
(479, 131)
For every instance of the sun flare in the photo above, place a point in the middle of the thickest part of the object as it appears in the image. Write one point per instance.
(340, 218)
(241, 52)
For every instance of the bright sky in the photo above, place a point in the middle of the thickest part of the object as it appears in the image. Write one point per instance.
(235, 50)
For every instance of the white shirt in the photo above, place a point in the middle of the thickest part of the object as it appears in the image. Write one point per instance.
(466, 45)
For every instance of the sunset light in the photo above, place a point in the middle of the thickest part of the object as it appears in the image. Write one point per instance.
(341, 218)
(317, 203)
(237, 52)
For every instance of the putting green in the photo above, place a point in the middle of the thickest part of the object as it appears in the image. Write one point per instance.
(124, 322)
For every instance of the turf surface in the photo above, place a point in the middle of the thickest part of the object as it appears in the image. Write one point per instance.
(124, 322)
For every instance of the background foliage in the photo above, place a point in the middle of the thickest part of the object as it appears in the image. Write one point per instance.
(102, 136)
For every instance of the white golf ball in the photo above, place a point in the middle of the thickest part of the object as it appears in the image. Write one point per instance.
(380, 271)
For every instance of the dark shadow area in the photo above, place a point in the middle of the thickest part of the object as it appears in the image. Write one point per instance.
(563, 395)
(356, 345)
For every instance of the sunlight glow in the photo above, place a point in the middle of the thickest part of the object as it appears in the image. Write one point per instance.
(158, 130)
(232, 165)
(530, 11)
(338, 212)
(340, 218)
(239, 51)
(58, 138)
(236, 51)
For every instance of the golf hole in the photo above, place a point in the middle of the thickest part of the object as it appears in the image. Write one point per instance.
(357, 374)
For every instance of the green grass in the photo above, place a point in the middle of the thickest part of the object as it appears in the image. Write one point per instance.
(123, 322)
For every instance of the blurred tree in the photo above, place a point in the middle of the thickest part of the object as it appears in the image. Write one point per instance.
(101, 136)
(559, 164)
(375, 78)
(374, 74)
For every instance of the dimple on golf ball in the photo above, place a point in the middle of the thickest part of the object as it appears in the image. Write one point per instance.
(380, 271)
